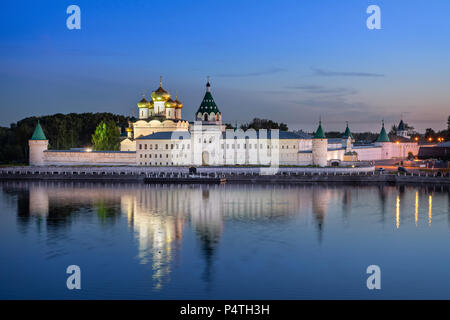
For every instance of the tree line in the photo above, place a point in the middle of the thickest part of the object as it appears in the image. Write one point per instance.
(64, 131)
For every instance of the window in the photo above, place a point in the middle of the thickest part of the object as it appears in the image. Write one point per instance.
(160, 155)
(167, 155)
(167, 146)
(156, 147)
(149, 155)
(145, 146)
(151, 147)
(140, 146)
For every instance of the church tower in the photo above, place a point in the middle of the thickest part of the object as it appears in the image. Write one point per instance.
(208, 112)
(38, 144)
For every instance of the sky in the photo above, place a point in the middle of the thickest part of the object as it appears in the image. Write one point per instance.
(289, 61)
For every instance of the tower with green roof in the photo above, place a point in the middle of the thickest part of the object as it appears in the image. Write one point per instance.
(319, 147)
(38, 145)
(347, 133)
(208, 112)
(384, 142)
(383, 137)
(401, 130)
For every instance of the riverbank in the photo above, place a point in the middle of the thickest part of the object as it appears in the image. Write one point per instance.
(182, 175)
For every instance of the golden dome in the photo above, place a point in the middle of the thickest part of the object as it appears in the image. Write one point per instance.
(160, 94)
(178, 103)
(143, 103)
(170, 103)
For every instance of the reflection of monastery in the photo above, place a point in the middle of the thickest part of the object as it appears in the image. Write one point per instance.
(159, 217)
(160, 137)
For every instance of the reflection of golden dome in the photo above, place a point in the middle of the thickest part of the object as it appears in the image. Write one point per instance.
(160, 94)
(170, 103)
(143, 103)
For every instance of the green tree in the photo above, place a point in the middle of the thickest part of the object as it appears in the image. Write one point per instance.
(106, 136)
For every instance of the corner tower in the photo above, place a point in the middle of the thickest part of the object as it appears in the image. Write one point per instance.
(38, 144)
(319, 147)
(384, 142)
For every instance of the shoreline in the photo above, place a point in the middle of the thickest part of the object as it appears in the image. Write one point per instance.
(301, 178)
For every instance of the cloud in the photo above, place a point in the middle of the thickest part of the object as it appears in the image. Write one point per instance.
(318, 89)
(328, 73)
(251, 74)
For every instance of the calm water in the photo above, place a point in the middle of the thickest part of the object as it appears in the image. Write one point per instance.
(137, 241)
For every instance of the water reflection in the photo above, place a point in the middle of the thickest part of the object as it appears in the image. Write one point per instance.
(160, 216)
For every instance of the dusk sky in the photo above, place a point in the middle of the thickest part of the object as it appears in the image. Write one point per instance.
(290, 61)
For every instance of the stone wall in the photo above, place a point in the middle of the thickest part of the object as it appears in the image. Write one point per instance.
(58, 157)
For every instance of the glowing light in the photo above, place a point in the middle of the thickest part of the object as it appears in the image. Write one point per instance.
(88, 149)
(430, 139)
(416, 213)
(397, 212)
(416, 138)
(397, 142)
(430, 209)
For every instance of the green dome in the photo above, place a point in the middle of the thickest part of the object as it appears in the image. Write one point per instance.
(319, 133)
(383, 137)
(38, 133)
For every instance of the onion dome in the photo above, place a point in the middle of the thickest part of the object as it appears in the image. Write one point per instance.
(143, 103)
(129, 128)
(319, 133)
(160, 94)
(170, 103)
(383, 137)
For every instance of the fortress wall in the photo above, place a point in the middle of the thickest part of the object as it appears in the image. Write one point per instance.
(369, 153)
(89, 158)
